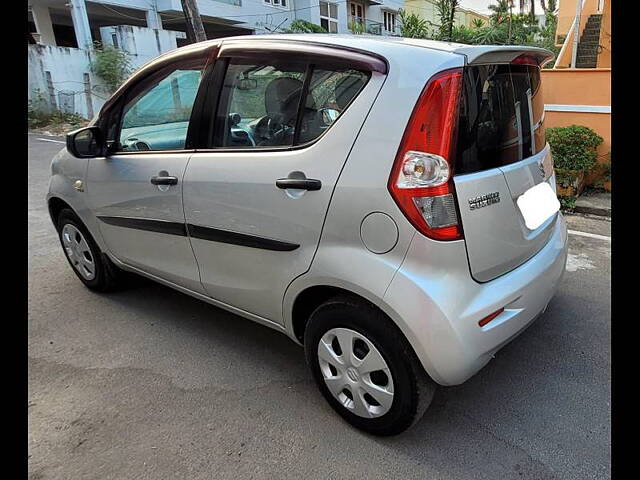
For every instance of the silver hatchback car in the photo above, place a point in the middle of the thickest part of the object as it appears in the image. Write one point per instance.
(387, 203)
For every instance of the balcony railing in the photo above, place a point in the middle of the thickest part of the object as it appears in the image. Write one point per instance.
(362, 25)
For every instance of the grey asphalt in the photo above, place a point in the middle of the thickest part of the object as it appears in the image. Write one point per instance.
(150, 383)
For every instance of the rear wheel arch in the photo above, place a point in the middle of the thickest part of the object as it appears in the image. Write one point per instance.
(312, 297)
(307, 301)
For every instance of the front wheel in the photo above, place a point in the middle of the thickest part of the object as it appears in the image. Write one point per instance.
(92, 267)
(365, 367)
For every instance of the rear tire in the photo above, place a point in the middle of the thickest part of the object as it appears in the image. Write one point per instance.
(384, 390)
(88, 262)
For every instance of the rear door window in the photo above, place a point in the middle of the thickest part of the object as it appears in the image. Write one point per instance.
(501, 116)
(281, 103)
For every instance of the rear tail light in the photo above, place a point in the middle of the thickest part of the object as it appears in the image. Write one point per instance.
(421, 179)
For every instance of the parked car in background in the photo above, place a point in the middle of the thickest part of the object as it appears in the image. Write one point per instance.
(387, 203)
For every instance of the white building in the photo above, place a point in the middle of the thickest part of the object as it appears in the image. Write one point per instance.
(64, 31)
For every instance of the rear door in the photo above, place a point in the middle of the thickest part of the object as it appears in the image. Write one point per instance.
(256, 197)
(501, 153)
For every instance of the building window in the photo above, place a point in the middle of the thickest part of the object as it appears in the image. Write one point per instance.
(389, 22)
(329, 16)
(277, 3)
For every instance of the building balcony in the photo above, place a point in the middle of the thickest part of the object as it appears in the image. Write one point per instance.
(362, 25)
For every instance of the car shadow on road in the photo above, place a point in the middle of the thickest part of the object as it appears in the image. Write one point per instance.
(492, 421)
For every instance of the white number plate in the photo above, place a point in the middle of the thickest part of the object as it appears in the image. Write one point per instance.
(538, 204)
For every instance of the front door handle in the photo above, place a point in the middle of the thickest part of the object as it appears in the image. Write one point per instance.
(164, 180)
(299, 183)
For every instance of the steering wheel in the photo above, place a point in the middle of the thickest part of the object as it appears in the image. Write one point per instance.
(270, 129)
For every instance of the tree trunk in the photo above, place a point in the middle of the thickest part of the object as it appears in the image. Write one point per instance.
(453, 5)
(195, 29)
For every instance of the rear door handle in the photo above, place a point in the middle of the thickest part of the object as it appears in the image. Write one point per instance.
(164, 180)
(299, 183)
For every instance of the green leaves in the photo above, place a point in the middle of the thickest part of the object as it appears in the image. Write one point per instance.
(111, 65)
(503, 28)
(574, 147)
(302, 26)
(413, 26)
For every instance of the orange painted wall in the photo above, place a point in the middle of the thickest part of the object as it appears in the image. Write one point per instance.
(577, 86)
(580, 86)
(604, 57)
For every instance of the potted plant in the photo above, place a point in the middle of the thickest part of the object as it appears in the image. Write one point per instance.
(574, 153)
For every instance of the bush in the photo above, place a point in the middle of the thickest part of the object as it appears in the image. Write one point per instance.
(412, 25)
(574, 147)
(356, 28)
(568, 203)
(39, 115)
(111, 65)
(56, 120)
(302, 26)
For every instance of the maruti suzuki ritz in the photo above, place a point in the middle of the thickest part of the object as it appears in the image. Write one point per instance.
(388, 203)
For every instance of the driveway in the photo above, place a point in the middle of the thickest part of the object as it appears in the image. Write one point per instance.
(150, 383)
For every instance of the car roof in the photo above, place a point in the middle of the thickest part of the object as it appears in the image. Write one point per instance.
(376, 43)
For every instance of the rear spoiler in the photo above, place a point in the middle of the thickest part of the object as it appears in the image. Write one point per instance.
(481, 54)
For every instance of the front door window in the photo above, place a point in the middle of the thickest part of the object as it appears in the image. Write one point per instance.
(157, 118)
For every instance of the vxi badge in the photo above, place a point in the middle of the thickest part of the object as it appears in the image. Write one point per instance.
(484, 200)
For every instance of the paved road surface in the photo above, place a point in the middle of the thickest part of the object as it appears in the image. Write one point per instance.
(150, 383)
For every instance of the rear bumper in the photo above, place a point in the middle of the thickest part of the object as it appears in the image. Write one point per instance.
(438, 305)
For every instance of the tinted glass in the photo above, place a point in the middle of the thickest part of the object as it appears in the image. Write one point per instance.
(501, 106)
(158, 118)
(260, 103)
(537, 104)
(330, 92)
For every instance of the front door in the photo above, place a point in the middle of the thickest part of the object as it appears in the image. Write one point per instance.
(136, 192)
(357, 12)
(255, 201)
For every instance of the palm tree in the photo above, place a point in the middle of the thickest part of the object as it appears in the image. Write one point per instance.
(500, 10)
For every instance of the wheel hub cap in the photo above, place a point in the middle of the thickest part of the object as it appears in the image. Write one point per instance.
(355, 372)
(353, 375)
(78, 252)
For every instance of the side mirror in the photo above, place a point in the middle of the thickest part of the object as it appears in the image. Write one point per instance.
(87, 142)
(329, 115)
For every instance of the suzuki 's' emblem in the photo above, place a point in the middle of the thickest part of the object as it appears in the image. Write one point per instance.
(484, 200)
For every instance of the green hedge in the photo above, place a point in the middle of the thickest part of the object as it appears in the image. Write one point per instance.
(573, 147)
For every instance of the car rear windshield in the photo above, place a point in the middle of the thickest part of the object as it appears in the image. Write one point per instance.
(501, 106)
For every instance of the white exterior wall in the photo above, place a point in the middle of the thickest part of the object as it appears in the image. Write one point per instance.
(143, 43)
(67, 66)
(252, 14)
